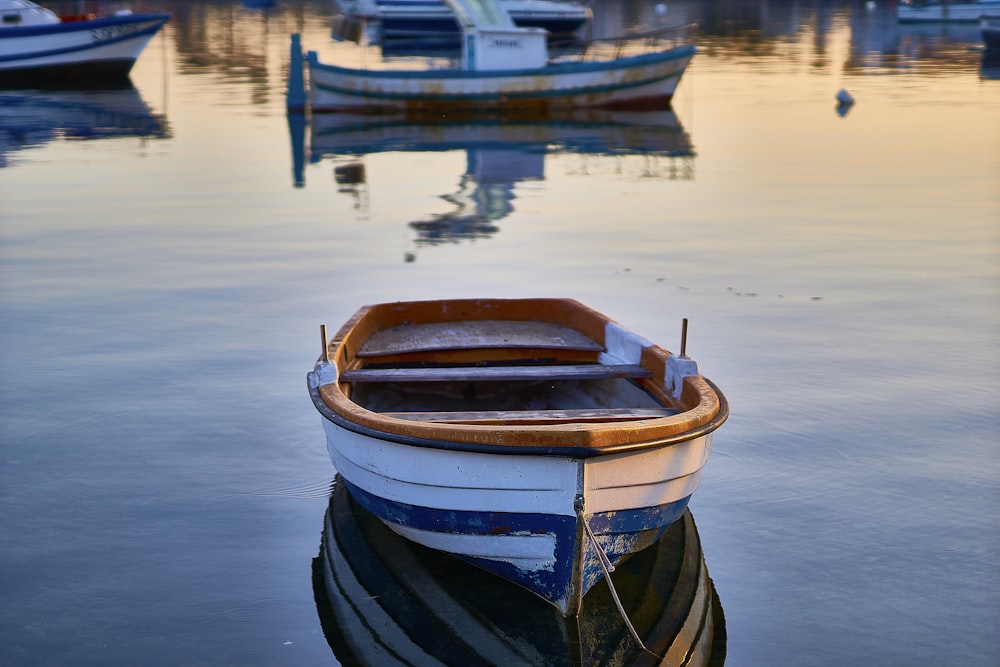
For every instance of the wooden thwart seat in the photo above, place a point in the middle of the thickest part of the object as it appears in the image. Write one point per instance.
(495, 373)
(475, 334)
(536, 416)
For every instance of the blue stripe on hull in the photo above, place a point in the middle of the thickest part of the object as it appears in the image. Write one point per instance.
(81, 26)
(550, 584)
(80, 50)
(620, 534)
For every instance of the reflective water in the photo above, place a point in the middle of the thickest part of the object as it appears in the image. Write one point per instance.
(168, 252)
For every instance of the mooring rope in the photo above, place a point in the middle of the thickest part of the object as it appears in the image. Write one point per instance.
(608, 568)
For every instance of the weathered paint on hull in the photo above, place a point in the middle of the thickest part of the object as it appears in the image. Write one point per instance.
(515, 515)
(638, 82)
(102, 49)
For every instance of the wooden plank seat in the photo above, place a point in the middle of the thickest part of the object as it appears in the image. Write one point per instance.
(495, 373)
(475, 334)
(537, 416)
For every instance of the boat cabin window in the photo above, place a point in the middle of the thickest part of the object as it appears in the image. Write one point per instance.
(11, 19)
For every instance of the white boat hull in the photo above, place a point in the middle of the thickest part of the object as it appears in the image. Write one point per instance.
(518, 515)
(632, 82)
(83, 50)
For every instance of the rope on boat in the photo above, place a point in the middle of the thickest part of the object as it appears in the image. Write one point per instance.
(608, 568)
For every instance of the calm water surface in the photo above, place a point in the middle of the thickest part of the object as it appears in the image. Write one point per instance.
(168, 253)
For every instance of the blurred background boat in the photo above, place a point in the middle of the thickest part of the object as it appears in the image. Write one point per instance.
(37, 45)
(945, 10)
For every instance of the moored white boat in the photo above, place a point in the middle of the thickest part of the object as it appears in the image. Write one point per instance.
(504, 67)
(39, 47)
(535, 438)
(945, 11)
(600, 77)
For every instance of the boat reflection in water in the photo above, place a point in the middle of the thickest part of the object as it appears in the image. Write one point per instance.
(383, 600)
(33, 118)
(499, 155)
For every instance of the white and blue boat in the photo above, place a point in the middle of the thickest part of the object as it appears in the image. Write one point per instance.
(39, 47)
(945, 11)
(503, 67)
(534, 438)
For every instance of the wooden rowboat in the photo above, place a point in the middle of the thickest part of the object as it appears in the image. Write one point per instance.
(535, 438)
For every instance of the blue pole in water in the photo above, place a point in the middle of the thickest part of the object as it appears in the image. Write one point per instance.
(296, 98)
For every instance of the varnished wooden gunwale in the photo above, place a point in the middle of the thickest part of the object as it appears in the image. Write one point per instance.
(699, 403)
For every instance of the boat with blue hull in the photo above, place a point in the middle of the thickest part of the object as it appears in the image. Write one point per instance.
(534, 438)
(38, 47)
(502, 67)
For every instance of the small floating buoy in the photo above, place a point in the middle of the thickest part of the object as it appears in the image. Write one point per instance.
(844, 102)
(870, 5)
(661, 9)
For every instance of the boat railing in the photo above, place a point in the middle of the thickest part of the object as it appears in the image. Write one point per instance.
(632, 44)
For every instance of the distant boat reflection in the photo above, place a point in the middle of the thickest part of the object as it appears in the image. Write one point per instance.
(499, 155)
(384, 600)
(881, 44)
(32, 118)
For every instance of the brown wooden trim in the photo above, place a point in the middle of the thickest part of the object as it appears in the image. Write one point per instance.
(700, 403)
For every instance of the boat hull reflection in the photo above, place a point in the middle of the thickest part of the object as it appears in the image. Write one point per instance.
(499, 155)
(33, 118)
(384, 600)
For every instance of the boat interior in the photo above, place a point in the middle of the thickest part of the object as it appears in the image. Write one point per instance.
(498, 372)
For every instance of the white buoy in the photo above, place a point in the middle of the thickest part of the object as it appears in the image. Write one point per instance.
(870, 5)
(661, 9)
